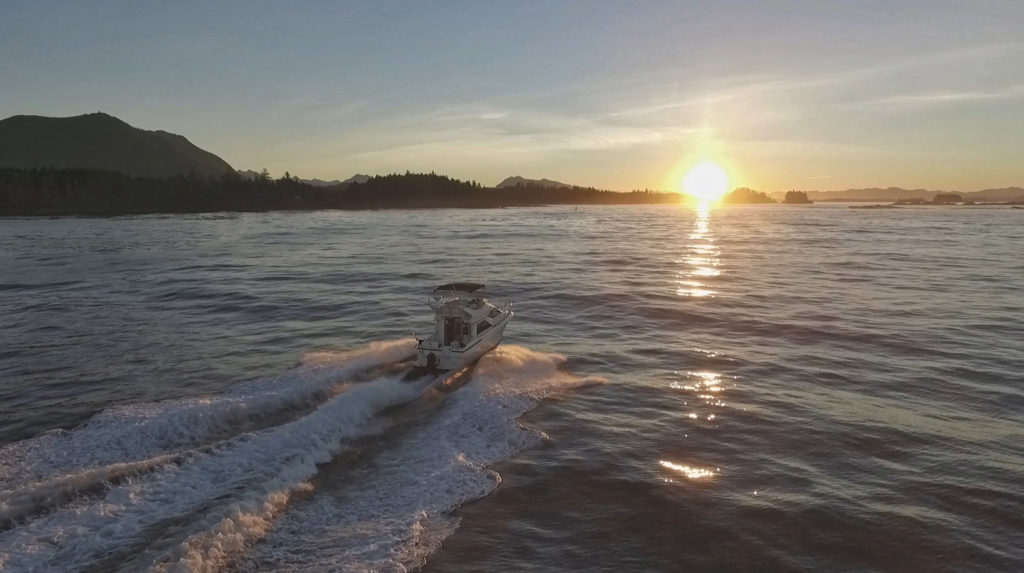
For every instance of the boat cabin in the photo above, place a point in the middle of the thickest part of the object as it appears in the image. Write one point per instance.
(461, 313)
(466, 326)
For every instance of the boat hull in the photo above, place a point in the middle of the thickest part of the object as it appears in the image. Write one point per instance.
(447, 358)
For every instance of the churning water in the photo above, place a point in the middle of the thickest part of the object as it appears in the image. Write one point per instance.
(773, 388)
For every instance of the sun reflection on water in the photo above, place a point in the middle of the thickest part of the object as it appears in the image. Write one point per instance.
(707, 392)
(690, 471)
(704, 382)
(701, 257)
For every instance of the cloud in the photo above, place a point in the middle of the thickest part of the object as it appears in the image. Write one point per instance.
(754, 117)
(924, 99)
(758, 87)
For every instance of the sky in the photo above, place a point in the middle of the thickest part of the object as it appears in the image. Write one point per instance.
(811, 95)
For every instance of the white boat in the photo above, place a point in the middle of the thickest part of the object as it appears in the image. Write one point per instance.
(466, 326)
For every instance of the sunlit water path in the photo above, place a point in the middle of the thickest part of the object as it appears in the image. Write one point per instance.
(723, 388)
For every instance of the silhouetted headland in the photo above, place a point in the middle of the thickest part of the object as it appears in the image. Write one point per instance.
(101, 141)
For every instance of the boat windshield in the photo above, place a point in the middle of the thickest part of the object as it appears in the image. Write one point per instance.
(459, 288)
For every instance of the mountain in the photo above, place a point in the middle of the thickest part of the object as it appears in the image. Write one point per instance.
(1003, 194)
(251, 175)
(357, 178)
(896, 193)
(867, 194)
(101, 141)
(516, 181)
(320, 182)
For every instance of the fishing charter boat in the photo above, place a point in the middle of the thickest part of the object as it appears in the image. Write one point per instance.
(466, 326)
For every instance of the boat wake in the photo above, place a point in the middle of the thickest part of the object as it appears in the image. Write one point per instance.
(125, 441)
(319, 466)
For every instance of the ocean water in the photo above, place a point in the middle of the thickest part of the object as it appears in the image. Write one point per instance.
(743, 388)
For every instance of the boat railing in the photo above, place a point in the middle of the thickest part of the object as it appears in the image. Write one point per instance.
(436, 301)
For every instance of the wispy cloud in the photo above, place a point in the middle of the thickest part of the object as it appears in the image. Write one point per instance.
(761, 118)
(941, 98)
(755, 87)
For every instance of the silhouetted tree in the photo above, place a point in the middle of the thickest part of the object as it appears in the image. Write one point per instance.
(797, 197)
(743, 195)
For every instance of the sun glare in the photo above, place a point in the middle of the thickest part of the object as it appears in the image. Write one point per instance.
(706, 181)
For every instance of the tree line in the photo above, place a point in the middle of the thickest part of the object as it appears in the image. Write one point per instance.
(746, 195)
(48, 191)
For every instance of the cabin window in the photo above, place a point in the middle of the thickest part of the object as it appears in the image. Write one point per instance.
(482, 326)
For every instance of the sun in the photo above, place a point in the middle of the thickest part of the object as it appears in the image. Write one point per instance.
(706, 182)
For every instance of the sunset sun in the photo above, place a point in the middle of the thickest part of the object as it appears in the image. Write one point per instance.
(706, 182)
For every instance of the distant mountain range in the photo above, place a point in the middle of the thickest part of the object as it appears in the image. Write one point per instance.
(101, 141)
(357, 178)
(896, 193)
(322, 183)
(516, 181)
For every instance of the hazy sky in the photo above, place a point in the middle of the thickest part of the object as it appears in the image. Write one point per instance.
(621, 95)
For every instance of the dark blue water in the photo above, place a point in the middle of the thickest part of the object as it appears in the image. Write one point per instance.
(776, 388)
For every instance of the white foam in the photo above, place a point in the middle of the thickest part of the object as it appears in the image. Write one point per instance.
(211, 486)
(208, 507)
(138, 432)
(400, 510)
(20, 502)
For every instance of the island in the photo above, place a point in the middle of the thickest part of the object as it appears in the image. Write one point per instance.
(797, 198)
(746, 196)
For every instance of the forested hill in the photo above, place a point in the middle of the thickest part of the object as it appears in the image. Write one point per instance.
(96, 192)
(101, 141)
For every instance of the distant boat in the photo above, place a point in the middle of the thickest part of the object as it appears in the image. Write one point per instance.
(466, 326)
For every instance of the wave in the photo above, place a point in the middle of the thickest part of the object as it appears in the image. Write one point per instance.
(402, 505)
(206, 488)
(145, 431)
(202, 509)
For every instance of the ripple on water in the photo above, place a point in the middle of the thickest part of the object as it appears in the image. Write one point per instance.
(813, 388)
